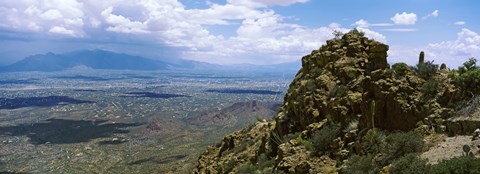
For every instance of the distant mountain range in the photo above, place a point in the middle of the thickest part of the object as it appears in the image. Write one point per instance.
(107, 60)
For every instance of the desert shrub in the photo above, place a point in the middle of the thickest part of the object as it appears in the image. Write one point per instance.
(263, 165)
(322, 138)
(431, 88)
(308, 144)
(265, 162)
(360, 164)
(400, 144)
(247, 168)
(227, 167)
(400, 69)
(426, 70)
(458, 165)
(469, 65)
(276, 138)
(468, 78)
(373, 141)
(409, 164)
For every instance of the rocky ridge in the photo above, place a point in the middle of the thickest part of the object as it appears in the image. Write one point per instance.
(347, 82)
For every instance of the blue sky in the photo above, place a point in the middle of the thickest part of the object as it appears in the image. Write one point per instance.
(238, 31)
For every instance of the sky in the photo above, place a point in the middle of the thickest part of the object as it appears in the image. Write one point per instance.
(238, 31)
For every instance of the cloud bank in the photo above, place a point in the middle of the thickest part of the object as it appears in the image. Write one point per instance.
(262, 36)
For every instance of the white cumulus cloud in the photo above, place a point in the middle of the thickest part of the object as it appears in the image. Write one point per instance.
(457, 51)
(404, 18)
(62, 30)
(264, 3)
(259, 34)
(43, 16)
(460, 23)
(435, 13)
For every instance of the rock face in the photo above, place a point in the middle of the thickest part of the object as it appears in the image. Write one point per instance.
(347, 79)
(466, 121)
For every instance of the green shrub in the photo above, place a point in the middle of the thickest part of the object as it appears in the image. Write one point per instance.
(247, 168)
(308, 144)
(431, 88)
(410, 164)
(373, 141)
(360, 164)
(262, 166)
(265, 162)
(400, 69)
(469, 65)
(458, 165)
(426, 70)
(323, 138)
(468, 78)
(276, 138)
(400, 144)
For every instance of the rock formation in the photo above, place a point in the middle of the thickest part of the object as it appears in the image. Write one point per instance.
(346, 81)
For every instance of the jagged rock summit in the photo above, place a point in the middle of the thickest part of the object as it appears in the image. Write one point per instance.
(345, 81)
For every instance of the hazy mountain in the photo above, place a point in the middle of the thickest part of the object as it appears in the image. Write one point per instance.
(95, 59)
(101, 59)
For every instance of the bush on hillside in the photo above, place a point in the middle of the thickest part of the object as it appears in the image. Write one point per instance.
(468, 78)
(426, 70)
(400, 69)
(410, 164)
(373, 141)
(400, 144)
(458, 165)
(323, 138)
(431, 88)
(360, 164)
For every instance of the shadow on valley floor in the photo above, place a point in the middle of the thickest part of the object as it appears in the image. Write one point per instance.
(88, 90)
(86, 78)
(15, 103)
(17, 82)
(151, 95)
(61, 131)
(5, 172)
(156, 160)
(244, 91)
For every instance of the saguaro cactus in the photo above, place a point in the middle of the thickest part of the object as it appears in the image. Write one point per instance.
(443, 67)
(421, 58)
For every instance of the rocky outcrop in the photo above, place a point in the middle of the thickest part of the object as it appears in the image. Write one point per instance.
(346, 81)
(466, 121)
(349, 78)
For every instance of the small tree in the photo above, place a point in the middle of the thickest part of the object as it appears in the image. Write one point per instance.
(468, 78)
(400, 69)
(337, 34)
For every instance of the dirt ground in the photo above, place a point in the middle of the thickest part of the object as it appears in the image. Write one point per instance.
(450, 147)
